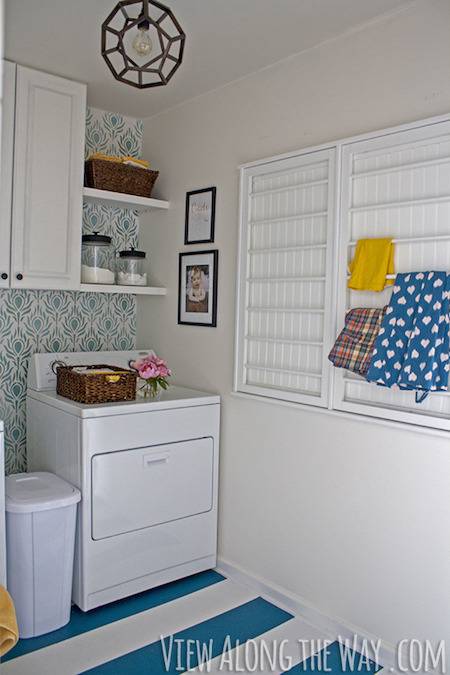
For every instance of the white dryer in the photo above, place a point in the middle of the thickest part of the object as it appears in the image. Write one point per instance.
(148, 474)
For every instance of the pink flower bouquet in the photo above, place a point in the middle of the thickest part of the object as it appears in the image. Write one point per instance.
(154, 371)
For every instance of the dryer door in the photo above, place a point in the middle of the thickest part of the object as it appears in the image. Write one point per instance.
(135, 489)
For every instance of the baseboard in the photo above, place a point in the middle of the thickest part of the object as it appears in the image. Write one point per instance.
(330, 626)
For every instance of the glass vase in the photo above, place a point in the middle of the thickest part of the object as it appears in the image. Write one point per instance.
(149, 390)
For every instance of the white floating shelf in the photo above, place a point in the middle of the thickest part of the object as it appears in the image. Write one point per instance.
(123, 201)
(130, 290)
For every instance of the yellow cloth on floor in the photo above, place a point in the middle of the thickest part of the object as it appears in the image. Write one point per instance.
(9, 632)
(374, 259)
(121, 160)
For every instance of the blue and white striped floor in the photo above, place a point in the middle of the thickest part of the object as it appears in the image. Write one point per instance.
(219, 615)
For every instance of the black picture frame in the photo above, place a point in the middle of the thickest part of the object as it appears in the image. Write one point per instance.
(212, 218)
(186, 317)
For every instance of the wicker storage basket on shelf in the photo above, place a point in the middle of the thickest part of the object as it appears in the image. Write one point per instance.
(117, 177)
(95, 387)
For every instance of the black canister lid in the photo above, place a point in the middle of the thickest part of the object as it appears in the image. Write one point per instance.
(96, 238)
(132, 253)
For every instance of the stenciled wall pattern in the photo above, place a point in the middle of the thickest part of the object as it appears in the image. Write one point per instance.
(112, 134)
(51, 321)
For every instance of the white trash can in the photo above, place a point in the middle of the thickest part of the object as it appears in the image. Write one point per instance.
(40, 539)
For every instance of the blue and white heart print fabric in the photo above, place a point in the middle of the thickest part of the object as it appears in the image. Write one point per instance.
(412, 347)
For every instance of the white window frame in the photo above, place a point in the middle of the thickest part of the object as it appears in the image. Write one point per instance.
(331, 398)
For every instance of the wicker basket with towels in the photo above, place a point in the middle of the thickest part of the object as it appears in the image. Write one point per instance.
(120, 174)
(95, 384)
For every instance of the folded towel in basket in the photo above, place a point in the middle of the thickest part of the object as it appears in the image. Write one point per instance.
(132, 161)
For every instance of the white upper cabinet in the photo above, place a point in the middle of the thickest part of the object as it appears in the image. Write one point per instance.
(48, 181)
(7, 150)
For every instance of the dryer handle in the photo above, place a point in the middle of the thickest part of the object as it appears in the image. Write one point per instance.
(160, 458)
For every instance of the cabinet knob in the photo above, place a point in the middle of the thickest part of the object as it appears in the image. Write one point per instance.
(4, 275)
(19, 277)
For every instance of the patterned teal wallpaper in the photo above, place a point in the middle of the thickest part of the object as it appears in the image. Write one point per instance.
(41, 321)
(112, 134)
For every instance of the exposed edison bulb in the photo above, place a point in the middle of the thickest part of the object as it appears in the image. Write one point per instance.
(142, 43)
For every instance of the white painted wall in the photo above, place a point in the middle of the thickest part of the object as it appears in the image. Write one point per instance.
(351, 515)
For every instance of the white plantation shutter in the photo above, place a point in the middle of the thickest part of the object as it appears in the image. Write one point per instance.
(397, 185)
(284, 311)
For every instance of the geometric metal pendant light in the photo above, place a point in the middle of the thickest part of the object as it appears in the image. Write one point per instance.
(142, 43)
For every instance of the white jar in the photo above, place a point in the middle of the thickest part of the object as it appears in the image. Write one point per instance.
(130, 268)
(97, 259)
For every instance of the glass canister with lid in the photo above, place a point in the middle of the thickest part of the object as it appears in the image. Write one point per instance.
(97, 259)
(130, 268)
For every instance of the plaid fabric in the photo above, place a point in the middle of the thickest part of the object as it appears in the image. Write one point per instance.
(354, 345)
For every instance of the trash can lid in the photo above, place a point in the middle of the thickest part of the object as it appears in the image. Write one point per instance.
(40, 491)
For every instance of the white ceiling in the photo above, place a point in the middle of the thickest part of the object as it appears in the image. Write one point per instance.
(226, 40)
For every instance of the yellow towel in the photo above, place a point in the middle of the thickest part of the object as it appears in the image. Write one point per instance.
(374, 259)
(9, 632)
(121, 160)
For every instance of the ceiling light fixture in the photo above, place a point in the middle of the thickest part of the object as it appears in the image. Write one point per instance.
(142, 43)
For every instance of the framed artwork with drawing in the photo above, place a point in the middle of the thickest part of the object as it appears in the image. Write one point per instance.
(197, 288)
(200, 216)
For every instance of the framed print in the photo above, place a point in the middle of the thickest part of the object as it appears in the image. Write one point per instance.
(200, 216)
(197, 288)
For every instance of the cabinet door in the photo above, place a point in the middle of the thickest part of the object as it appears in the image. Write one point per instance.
(48, 181)
(7, 152)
